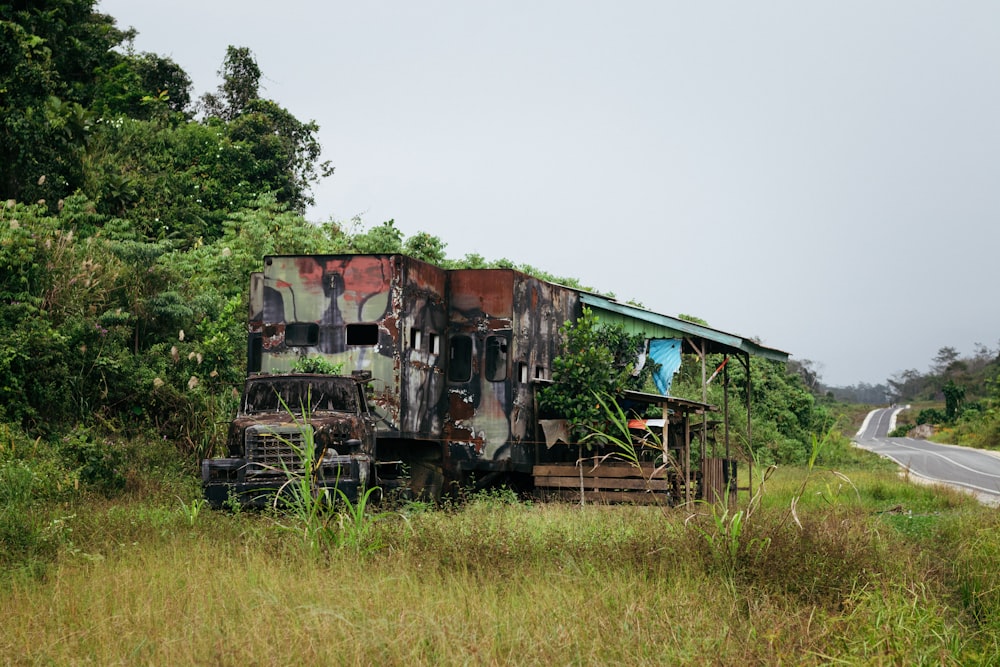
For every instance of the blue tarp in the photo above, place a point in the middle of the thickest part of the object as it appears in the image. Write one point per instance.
(667, 353)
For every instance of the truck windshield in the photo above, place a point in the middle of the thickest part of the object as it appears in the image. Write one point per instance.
(300, 395)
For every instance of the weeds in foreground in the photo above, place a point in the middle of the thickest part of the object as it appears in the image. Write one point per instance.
(831, 493)
(725, 536)
(356, 523)
(627, 449)
(735, 538)
(193, 509)
(323, 519)
(511, 583)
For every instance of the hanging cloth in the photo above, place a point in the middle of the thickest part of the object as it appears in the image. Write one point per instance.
(667, 353)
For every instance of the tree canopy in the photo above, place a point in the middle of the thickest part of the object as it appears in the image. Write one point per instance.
(82, 113)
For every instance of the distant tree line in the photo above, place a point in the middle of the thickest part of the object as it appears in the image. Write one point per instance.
(959, 395)
(969, 389)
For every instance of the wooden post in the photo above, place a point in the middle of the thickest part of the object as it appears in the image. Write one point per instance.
(746, 363)
(733, 483)
(687, 459)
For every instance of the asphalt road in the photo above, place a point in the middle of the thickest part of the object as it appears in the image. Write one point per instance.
(973, 469)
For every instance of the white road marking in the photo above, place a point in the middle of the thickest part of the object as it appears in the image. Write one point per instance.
(955, 463)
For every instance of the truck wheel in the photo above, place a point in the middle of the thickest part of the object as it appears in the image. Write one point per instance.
(426, 481)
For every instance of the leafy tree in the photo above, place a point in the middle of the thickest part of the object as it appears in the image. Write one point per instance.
(76, 114)
(426, 247)
(861, 393)
(48, 53)
(280, 152)
(471, 261)
(142, 86)
(943, 360)
(906, 385)
(284, 151)
(239, 88)
(585, 368)
(954, 395)
(384, 238)
(809, 371)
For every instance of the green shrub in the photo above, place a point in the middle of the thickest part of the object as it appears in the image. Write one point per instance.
(100, 465)
(585, 368)
(318, 365)
(931, 416)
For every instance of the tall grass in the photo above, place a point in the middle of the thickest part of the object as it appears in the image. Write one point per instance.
(887, 573)
(322, 518)
(501, 581)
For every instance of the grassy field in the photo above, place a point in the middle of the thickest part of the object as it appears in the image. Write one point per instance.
(852, 568)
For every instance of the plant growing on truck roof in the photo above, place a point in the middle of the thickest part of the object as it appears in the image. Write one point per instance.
(319, 365)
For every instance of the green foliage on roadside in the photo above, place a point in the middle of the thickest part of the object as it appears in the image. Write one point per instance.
(968, 390)
(594, 360)
(931, 416)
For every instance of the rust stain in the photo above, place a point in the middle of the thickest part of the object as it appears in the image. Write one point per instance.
(273, 336)
(487, 291)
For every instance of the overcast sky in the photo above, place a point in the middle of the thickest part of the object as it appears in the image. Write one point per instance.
(822, 175)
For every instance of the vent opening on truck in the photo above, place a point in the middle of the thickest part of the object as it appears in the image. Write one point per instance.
(301, 334)
(460, 359)
(362, 334)
(496, 359)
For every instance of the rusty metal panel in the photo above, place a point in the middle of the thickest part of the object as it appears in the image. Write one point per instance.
(255, 322)
(481, 294)
(331, 292)
(540, 308)
(503, 313)
(477, 420)
(420, 308)
(256, 297)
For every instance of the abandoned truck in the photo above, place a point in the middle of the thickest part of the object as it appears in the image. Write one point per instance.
(452, 359)
(295, 425)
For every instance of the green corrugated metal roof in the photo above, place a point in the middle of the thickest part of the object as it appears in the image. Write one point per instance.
(654, 325)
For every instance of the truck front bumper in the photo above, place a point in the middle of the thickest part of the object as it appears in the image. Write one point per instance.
(234, 481)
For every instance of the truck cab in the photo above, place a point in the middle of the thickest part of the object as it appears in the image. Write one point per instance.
(289, 427)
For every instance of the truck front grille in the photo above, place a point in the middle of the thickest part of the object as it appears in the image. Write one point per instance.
(276, 450)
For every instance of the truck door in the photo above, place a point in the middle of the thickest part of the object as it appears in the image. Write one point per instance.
(479, 393)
